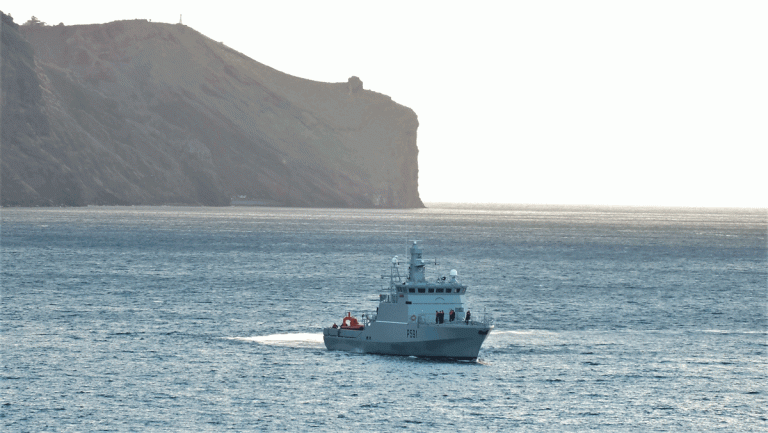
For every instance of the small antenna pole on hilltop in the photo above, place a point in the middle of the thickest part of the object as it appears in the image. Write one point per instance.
(179, 18)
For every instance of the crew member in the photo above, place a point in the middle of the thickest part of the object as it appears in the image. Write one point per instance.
(466, 318)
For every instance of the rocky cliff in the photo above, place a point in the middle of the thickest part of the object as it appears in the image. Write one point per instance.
(133, 112)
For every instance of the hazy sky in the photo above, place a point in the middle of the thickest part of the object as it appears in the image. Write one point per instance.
(573, 102)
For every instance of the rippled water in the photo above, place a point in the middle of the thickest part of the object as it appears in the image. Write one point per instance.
(140, 319)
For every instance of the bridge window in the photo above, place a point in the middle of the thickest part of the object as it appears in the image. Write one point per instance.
(411, 290)
(421, 290)
(441, 290)
(431, 290)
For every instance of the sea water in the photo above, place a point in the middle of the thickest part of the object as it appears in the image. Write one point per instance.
(210, 319)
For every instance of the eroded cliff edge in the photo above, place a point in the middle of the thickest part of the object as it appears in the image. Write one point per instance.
(133, 112)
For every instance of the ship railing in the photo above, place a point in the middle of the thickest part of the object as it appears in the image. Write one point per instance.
(487, 320)
(390, 297)
(368, 317)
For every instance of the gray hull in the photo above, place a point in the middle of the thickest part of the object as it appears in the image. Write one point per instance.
(456, 340)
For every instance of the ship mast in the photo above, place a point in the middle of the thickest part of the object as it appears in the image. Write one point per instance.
(416, 266)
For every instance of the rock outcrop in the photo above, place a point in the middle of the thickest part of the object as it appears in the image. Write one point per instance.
(133, 112)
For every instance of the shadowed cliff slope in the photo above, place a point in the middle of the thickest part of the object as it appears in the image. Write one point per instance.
(132, 112)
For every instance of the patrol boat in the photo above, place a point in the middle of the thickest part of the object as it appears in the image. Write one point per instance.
(408, 320)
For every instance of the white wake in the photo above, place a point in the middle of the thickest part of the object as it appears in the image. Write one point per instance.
(300, 339)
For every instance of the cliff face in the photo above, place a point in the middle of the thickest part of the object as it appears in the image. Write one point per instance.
(132, 112)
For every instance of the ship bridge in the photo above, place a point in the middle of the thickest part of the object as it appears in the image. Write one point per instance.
(412, 292)
(417, 296)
